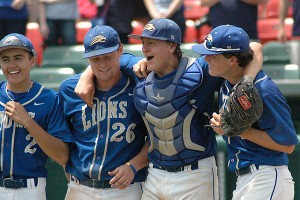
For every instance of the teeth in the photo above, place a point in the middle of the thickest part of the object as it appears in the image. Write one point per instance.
(104, 70)
(13, 72)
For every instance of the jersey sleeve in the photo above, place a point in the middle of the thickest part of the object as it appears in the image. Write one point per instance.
(276, 119)
(57, 124)
(127, 61)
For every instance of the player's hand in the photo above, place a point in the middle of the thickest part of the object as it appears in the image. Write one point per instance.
(85, 87)
(140, 69)
(17, 113)
(215, 123)
(122, 177)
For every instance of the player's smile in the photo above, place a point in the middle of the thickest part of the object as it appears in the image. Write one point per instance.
(14, 72)
(104, 70)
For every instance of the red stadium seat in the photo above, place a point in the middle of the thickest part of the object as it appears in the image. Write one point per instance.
(35, 36)
(82, 27)
(193, 9)
(137, 28)
(203, 32)
(268, 29)
(270, 10)
(190, 32)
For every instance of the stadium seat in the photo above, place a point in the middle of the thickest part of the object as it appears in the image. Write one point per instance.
(270, 10)
(203, 32)
(281, 71)
(48, 76)
(268, 29)
(275, 52)
(135, 49)
(69, 56)
(51, 77)
(190, 32)
(35, 36)
(82, 27)
(193, 9)
(187, 50)
(137, 28)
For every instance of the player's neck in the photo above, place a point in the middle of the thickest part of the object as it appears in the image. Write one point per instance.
(109, 84)
(234, 77)
(19, 88)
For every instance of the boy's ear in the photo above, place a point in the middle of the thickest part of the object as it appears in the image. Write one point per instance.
(33, 61)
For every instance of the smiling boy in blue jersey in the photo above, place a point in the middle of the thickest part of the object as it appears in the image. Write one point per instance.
(109, 156)
(176, 101)
(258, 156)
(32, 124)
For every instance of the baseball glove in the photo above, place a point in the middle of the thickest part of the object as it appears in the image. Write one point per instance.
(244, 107)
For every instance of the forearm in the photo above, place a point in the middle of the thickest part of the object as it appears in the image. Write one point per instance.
(141, 159)
(256, 64)
(52, 146)
(261, 138)
(283, 10)
(42, 13)
(88, 73)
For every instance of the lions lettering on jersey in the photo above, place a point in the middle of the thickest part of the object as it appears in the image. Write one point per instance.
(117, 110)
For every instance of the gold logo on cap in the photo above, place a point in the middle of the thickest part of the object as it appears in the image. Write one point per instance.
(98, 38)
(149, 27)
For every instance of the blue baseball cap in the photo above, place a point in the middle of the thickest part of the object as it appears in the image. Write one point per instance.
(160, 29)
(100, 40)
(222, 39)
(15, 40)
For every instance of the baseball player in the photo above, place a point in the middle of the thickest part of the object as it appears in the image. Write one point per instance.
(258, 156)
(32, 124)
(176, 102)
(110, 153)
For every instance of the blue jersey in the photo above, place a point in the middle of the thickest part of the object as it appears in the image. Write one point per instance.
(276, 121)
(175, 109)
(20, 154)
(107, 135)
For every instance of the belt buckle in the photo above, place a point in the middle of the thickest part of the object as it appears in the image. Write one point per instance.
(14, 184)
(100, 184)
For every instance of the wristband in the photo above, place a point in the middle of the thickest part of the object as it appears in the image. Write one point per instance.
(132, 167)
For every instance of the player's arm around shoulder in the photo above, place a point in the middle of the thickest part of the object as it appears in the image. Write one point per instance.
(255, 65)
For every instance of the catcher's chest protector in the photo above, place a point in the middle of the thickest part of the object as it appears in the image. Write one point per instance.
(167, 113)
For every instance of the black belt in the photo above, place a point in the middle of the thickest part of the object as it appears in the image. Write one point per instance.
(103, 184)
(177, 169)
(247, 170)
(16, 183)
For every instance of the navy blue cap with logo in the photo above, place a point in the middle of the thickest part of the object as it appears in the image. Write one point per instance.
(160, 29)
(15, 40)
(222, 39)
(100, 40)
